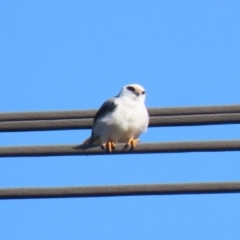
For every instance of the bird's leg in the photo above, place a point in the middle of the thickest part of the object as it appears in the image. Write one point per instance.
(109, 145)
(132, 142)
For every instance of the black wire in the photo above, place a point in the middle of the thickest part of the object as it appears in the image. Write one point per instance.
(120, 190)
(142, 148)
(171, 111)
(70, 124)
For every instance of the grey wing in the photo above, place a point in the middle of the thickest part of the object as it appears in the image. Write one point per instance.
(108, 107)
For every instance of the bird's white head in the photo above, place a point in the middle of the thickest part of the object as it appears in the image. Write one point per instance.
(134, 91)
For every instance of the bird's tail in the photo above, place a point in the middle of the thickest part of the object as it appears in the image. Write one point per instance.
(91, 140)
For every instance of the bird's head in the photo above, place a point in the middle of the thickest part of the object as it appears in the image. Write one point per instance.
(133, 91)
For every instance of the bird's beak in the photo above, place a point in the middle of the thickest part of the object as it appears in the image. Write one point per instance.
(137, 92)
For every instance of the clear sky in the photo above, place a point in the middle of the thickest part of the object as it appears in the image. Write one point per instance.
(70, 55)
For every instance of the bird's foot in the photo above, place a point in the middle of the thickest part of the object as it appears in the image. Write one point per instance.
(109, 145)
(132, 142)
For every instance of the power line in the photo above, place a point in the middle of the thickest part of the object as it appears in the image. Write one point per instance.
(70, 124)
(51, 115)
(85, 150)
(159, 117)
(120, 190)
(54, 115)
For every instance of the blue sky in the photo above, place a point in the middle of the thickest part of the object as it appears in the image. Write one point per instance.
(59, 55)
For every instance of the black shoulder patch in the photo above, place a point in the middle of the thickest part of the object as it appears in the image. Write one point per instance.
(108, 107)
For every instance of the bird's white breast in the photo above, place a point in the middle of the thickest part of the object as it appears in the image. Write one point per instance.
(129, 119)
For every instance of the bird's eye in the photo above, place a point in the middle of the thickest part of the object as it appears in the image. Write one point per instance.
(131, 88)
(143, 92)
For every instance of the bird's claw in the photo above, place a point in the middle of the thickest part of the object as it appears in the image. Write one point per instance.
(109, 145)
(132, 142)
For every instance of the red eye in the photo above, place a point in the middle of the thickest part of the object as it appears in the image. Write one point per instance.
(130, 88)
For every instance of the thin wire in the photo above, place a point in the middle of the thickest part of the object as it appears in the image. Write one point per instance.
(170, 121)
(120, 190)
(54, 115)
(142, 148)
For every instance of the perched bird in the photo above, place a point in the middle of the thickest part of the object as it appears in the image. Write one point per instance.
(121, 119)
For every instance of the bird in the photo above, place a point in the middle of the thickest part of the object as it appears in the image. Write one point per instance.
(120, 119)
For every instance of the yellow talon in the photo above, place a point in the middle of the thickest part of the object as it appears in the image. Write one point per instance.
(109, 145)
(132, 142)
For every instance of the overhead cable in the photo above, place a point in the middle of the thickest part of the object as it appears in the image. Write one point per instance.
(167, 121)
(53, 115)
(120, 190)
(85, 150)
